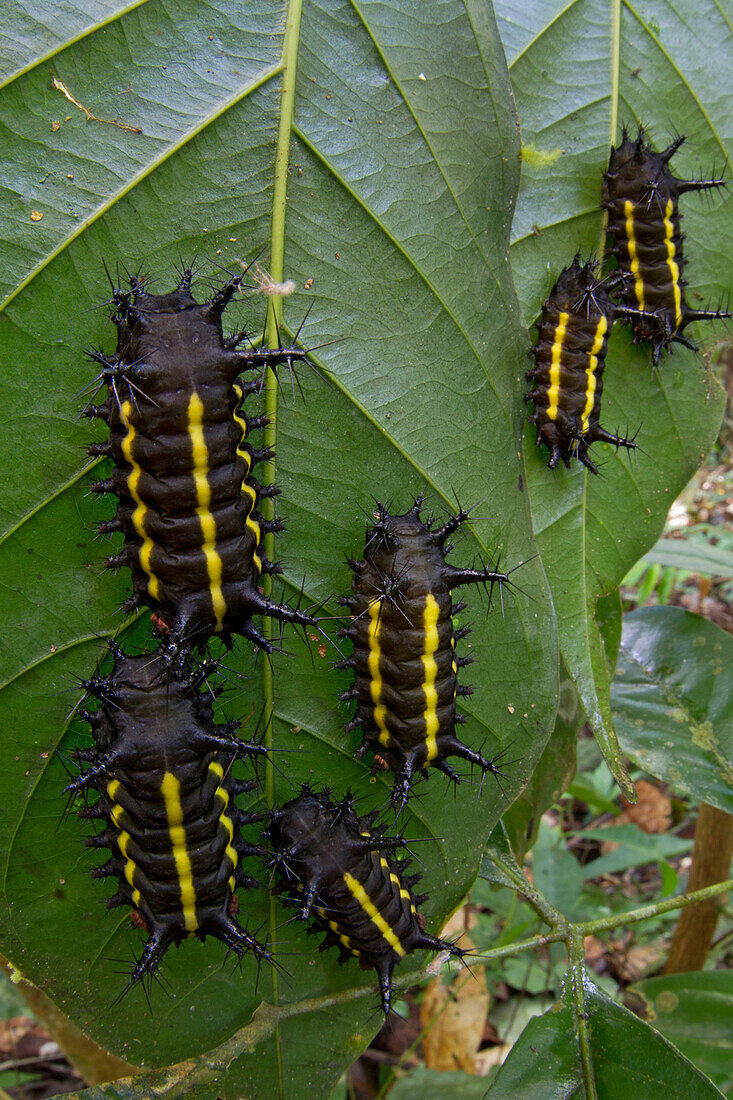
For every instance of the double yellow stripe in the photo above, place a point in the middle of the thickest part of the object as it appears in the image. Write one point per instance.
(248, 490)
(404, 894)
(242, 451)
(335, 928)
(223, 797)
(590, 386)
(633, 257)
(171, 791)
(123, 839)
(358, 891)
(375, 678)
(553, 393)
(431, 614)
(200, 454)
(672, 263)
(138, 516)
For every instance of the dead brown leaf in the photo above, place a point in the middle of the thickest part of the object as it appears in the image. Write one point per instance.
(652, 813)
(492, 1056)
(453, 1018)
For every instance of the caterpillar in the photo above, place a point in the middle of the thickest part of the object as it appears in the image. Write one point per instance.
(404, 660)
(183, 464)
(161, 769)
(342, 873)
(570, 356)
(641, 196)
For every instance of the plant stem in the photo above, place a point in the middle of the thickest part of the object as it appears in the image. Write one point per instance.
(710, 859)
(576, 954)
(274, 319)
(564, 931)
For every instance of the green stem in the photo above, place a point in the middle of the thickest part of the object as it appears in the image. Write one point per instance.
(542, 907)
(563, 931)
(615, 64)
(576, 955)
(590, 927)
(615, 78)
(274, 321)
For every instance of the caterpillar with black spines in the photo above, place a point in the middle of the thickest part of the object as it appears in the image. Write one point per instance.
(570, 357)
(161, 769)
(641, 198)
(189, 504)
(404, 657)
(342, 873)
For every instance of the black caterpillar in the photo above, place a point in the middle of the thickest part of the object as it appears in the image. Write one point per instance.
(569, 359)
(188, 503)
(641, 196)
(341, 872)
(404, 659)
(161, 768)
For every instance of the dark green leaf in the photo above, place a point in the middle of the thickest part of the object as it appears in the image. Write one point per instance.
(695, 1012)
(45, 27)
(427, 1084)
(390, 179)
(552, 775)
(673, 701)
(628, 1058)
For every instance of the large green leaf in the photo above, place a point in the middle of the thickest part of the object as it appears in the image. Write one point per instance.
(673, 701)
(695, 1012)
(625, 1058)
(403, 164)
(579, 71)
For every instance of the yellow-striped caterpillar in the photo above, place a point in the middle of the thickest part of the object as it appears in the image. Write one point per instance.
(342, 874)
(183, 463)
(570, 356)
(641, 196)
(161, 770)
(404, 660)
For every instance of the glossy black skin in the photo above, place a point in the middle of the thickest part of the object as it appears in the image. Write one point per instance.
(316, 841)
(150, 723)
(404, 560)
(168, 347)
(642, 176)
(579, 294)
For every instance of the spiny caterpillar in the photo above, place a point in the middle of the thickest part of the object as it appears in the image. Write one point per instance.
(404, 659)
(641, 196)
(188, 503)
(161, 768)
(570, 356)
(342, 874)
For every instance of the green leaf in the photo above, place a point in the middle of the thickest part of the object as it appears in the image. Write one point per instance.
(673, 701)
(583, 788)
(626, 1058)
(695, 1012)
(438, 1085)
(399, 198)
(556, 872)
(693, 556)
(635, 848)
(552, 775)
(579, 71)
(42, 29)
